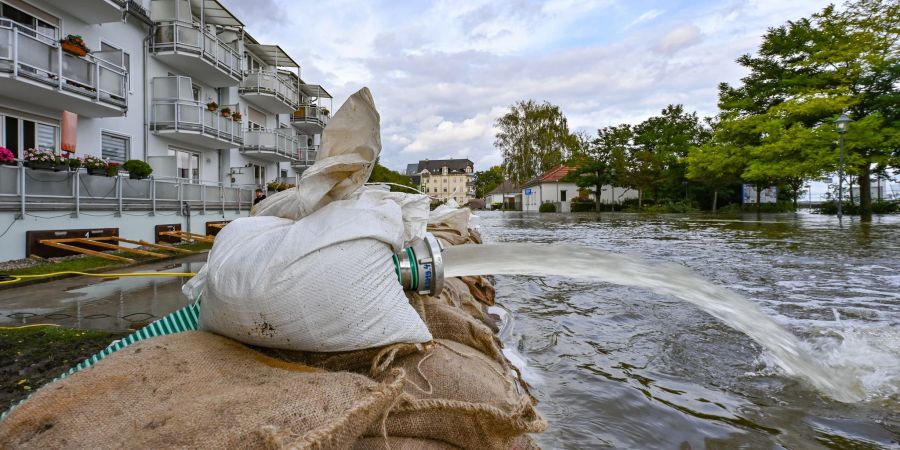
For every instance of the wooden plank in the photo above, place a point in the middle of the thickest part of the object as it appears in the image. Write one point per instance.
(72, 248)
(34, 247)
(120, 248)
(188, 236)
(159, 246)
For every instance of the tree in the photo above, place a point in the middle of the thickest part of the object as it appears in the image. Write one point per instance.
(488, 180)
(533, 138)
(715, 164)
(660, 145)
(805, 74)
(593, 173)
(381, 174)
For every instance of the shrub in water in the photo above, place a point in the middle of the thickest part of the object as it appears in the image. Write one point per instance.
(547, 207)
(587, 206)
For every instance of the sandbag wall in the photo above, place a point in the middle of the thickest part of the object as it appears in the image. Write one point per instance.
(199, 390)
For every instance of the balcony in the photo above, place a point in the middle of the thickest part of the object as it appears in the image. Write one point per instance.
(306, 156)
(309, 119)
(96, 11)
(270, 91)
(175, 114)
(197, 52)
(281, 145)
(35, 70)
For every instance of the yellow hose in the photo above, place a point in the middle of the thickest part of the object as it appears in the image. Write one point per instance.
(19, 327)
(17, 278)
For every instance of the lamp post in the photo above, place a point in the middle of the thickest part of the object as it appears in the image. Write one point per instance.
(841, 125)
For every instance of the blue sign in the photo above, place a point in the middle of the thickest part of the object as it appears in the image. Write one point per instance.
(527, 191)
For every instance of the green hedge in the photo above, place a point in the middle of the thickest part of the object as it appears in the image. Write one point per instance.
(588, 206)
(547, 207)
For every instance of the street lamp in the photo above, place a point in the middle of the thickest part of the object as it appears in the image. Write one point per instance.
(841, 125)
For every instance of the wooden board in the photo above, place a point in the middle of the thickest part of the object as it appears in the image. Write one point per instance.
(34, 247)
(213, 228)
(167, 239)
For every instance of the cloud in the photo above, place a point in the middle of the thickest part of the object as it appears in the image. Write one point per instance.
(679, 38)
(441, 72)
(645, 17)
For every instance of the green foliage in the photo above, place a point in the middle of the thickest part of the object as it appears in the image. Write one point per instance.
(137, 168)
(668, 207)
(533, 138)
(878, 207)
(547, 208)
(496, 206)
(488, 180)
(381, 174)
(804, 75)
(583, 206)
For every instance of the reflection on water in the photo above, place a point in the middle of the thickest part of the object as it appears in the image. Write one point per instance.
(618, 366)
(114, 304)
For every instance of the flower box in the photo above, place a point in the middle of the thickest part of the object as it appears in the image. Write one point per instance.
(101, 171)
(42, 165)
(73, 49)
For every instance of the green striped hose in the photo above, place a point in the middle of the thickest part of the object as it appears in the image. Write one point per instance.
(185, 319)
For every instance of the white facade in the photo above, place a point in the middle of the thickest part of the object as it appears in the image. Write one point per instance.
(142, 93)
(561, 194)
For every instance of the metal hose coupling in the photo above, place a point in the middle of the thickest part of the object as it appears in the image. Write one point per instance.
(420, 267)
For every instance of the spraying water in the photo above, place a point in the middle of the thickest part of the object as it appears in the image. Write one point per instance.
(729, 307)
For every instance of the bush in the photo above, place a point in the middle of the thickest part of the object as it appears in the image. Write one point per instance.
(878, 207)
(547, 207)
(137, 168)
(587, 206)
(885, 207)
(496, 206)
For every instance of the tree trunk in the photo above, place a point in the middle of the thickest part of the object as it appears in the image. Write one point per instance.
(758, 198)
(640, 198)
(865, 193)
(715, 200)
(850, 187)
(597, 194)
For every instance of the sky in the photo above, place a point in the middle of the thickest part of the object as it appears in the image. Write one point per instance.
(442, 72)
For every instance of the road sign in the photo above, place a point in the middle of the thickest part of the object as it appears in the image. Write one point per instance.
(527, 191)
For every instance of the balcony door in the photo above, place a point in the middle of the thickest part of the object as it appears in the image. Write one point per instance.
(187, 164)
(21, 134)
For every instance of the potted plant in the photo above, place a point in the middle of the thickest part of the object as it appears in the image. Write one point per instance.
(137, 169)
(94, 165)
(6, 156)
(74, 163)
(74, 45)
(112, 169)
(40, 159)
(212, 106)
(236, 116)
(325, 111)
(226, 112)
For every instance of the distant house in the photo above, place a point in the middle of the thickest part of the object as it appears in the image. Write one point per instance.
(550, 188)
(412, 171)
(508, 195)
(444, 179)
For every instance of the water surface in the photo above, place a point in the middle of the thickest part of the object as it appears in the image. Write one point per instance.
(621, 367)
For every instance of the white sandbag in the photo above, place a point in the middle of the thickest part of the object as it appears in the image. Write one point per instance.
(319, 276)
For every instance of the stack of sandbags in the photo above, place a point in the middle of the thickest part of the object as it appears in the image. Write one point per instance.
(199, 390)
(459, 390)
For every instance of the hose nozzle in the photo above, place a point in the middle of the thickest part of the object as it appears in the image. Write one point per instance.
(420, 267)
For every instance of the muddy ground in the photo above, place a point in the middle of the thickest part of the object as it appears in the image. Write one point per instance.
(32, 356)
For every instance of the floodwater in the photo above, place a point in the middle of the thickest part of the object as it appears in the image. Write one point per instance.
(621, 367)
(114, 304)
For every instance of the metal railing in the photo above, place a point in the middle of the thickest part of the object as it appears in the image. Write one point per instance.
(29, 54)
(306, 155)
(186, 37)
(310, 114)
(280, 141)
(192, 116)
(270, 83)
(23, 189)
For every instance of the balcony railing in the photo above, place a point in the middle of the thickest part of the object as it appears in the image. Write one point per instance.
(270, 84)
(183, 37)
(191, 116)
(27, 54)
(310, 114)
(23, 189)
(306, 156)
(280, 143)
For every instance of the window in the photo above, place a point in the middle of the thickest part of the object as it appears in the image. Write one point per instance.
(256, 120)
(259, 175)
(28, 22)
(22, 134)
(195, 89)
(115, 147)
(125, 61)
(187, 164)
(283, 173)
(562, 195)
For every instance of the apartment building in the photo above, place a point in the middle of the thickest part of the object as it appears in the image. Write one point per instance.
(446, 179)
(161, 84)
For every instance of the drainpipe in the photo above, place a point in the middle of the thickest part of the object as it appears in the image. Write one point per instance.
(146, 88)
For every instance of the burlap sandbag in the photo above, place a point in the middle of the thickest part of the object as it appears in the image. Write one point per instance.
(359, 361)
(480, 288)
(198, 390)
(457, 395)
(445, 321)
(401, 443)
